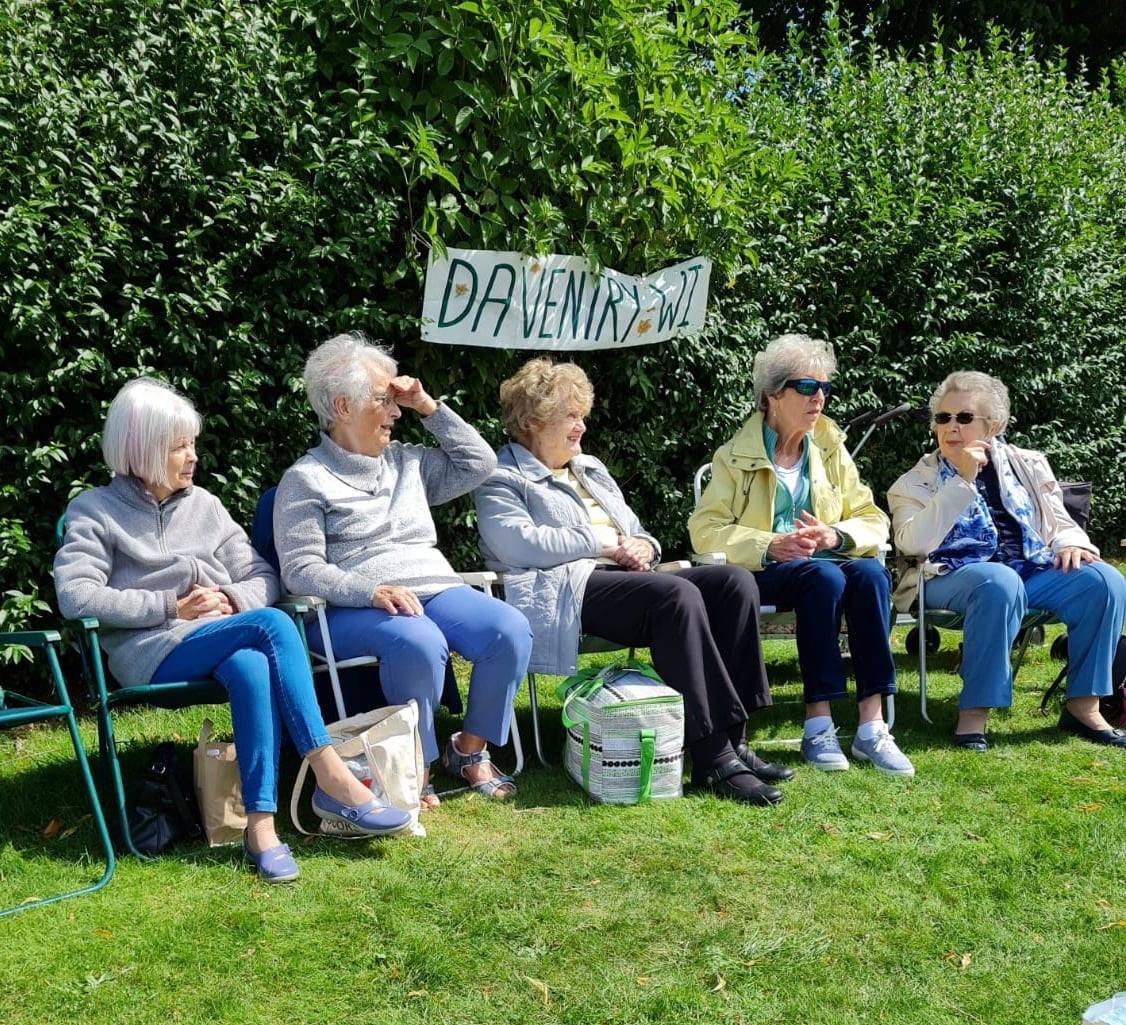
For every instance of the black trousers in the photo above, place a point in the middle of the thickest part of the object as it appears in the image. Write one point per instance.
(701, 628)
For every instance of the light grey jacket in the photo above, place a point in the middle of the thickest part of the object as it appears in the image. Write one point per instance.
(925, 509)
(126, 558)
(537, 531)
(345, 523)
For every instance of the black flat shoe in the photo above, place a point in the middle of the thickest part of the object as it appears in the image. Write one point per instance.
(971, 741)
(1110, 737)
(749, 789)
(767, 771)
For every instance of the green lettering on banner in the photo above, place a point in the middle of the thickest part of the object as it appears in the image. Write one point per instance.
(505, 302)
(593, 306)
(454, 263)
(572, 300)
(547, 302)
(666, 318)
(529, 326)
(611, 307)
(636, 310)
(695, 269)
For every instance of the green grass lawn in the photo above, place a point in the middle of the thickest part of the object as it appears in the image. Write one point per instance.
(988, 889)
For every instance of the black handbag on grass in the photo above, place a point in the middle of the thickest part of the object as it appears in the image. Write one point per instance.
(162, 807)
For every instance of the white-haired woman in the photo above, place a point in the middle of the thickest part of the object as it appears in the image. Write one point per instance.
(161, 562)
(352, 525)
(989, 521)
(785, 501)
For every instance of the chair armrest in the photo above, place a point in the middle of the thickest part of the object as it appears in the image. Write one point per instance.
(483, 578)
(709, 558)
(31, 638)
(306, 602)
(670, 567)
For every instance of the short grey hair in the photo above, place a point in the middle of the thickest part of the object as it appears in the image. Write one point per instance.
(339, 367)
(146, 418)
(974, 382)
(786, 357)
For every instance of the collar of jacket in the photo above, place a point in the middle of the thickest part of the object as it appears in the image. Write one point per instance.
(133, 492)
(749, 449)
(364, 473)
(515, 456)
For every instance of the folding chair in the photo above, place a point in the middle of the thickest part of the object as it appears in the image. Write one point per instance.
(262, 538)
(17, 710)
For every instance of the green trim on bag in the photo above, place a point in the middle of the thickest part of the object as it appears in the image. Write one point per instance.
(648, 739)
(586, 757)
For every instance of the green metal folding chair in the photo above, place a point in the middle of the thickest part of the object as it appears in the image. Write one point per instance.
(17, 710)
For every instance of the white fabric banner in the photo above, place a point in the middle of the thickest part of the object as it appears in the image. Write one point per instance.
(510, 301)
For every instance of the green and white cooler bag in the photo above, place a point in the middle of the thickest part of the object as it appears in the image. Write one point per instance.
(625, 734)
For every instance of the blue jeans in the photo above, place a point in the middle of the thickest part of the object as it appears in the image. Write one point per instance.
(1091, 600)
(413, 652)
(259, 658)
(820, 592)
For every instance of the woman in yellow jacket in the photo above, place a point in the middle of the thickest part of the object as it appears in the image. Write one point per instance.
(785, 501)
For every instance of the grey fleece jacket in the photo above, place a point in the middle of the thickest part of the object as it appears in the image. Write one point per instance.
(344, 523)
(127, 558)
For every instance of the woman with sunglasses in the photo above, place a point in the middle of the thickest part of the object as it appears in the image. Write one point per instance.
(988, 521)
(785, 500)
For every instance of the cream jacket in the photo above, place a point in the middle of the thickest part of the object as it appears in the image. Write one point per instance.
(736, 510)
(923, 511)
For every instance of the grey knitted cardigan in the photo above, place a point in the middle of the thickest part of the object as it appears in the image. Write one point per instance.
(127, 558)
(344, 523)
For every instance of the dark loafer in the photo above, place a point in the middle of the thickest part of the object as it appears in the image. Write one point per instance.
(971, 741)
(750, 789)
(1111, 737)
(767, 771)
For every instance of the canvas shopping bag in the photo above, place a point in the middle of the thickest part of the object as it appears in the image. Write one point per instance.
(382, 747)
(218, 789)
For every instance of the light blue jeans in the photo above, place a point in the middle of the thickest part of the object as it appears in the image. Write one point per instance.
(1091, 600)
(413, 652)
(258, 656)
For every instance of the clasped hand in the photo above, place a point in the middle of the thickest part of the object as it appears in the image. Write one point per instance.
(803, 541)
(204, 603)
(632, 553)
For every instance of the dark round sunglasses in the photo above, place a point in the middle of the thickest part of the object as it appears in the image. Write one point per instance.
(808, 386)
(965, 418)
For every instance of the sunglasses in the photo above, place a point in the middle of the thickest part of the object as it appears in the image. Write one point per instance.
(808, 386)
(965, 418)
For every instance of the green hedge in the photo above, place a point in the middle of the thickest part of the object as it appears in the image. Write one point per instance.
(206, 188)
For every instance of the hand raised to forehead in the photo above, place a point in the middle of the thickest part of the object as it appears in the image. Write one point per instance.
(409, 393)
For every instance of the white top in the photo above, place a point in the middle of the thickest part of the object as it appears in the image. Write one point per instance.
(604, 528)
(791, 477)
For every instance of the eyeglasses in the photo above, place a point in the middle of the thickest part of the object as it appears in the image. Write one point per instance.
(809, 386)
(965, 418)
(386, 399)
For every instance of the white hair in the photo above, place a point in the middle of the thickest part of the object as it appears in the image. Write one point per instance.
(146, 418)
(974, 382)
(339, 367)
(786, 357)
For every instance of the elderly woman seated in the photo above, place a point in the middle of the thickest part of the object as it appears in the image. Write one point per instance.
(577, 560)
(352, 525)
(161, 562)
(989, 522)
(785, 501)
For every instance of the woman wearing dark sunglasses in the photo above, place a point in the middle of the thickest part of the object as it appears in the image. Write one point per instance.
(988, 520)
(785, 501)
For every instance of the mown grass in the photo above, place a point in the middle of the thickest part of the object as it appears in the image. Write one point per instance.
(987, 889)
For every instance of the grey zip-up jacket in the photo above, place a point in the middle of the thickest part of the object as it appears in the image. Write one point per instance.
(126, 558)
(537, 531)
(344, 523)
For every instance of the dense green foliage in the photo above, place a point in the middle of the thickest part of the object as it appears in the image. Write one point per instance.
(206, 188)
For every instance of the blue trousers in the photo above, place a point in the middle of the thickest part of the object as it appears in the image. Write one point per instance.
(1091, 600)
(820, 592)
(413, 651)
(259, 658)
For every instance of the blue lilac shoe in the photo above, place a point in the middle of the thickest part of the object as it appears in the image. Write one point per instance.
(882, 752)
(823, 751)
(372, 818)
(273, 865)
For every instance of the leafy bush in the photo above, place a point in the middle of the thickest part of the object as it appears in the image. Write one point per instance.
(206, 188)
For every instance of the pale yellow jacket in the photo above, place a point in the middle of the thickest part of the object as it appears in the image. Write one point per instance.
(736, 510)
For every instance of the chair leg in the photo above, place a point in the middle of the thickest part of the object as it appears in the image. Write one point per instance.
(891, 711)
(1018, 659)
(536, 721)
(108, 746)
(921, 618)
(517, 745)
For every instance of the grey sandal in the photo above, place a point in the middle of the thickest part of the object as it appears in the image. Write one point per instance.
(455, 763)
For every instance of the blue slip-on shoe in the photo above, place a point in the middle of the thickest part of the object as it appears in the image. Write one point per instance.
(371, 817)
(274, 864)
(823, 751)
(882, 752)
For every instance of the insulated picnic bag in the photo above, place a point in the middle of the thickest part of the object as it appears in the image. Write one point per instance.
(625, 734)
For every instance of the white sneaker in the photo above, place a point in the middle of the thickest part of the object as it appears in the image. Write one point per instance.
(882, 752)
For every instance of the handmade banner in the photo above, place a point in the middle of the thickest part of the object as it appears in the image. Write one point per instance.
(510, 301)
